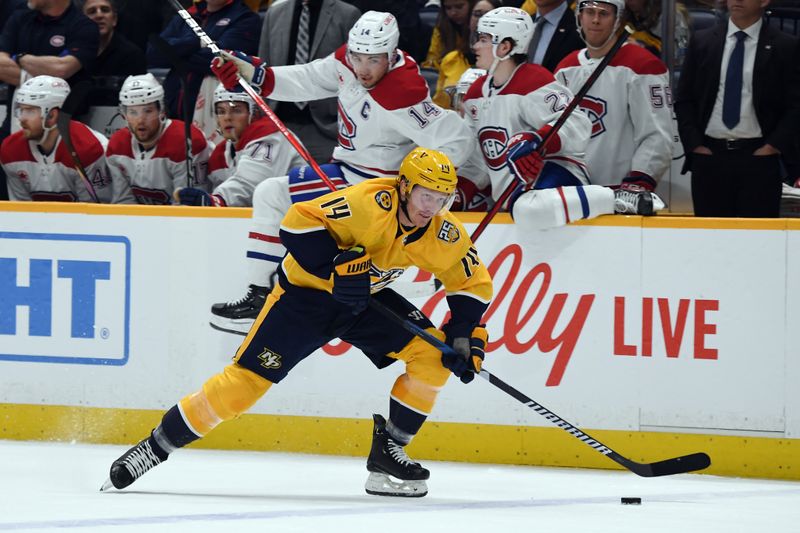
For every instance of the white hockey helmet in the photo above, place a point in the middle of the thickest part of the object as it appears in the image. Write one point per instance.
(463, 84)
(619, 4)
(223, 95)
(44, 92)
(467, 79)
(141, 89)
(507, 23)
(374, 33)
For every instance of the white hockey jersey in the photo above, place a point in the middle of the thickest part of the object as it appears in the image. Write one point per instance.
(151, 176)
(377, 126)
(529, 100)
(31, 175)
(262, 152)
(630, 107)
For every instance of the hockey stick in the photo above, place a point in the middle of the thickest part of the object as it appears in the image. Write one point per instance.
(573, 104)
(76, 95)
(180, 68)
(667, 467)
(254, 95)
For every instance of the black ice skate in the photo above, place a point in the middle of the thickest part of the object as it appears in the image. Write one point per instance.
(635, 200)
(133, 464)
(388, 458)
(238, 316)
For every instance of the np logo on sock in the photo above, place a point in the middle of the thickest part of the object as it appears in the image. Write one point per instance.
(270, 360)
(64, 298)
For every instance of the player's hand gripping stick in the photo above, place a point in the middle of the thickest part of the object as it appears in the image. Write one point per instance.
(466, 358)
(351, 282)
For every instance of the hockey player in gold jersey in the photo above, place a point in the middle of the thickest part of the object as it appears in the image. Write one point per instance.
(344, 248)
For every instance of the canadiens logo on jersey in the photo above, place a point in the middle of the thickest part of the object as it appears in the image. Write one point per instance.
(493, 142)
(595, 109)
(347, 129)
(448, 232)
(270, 359)
(384, 200)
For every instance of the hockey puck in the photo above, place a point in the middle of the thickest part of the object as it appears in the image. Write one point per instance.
(630, 501)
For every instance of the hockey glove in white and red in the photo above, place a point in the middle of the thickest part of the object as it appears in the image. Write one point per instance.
(198, 197)
(351, 282)
(469, 353)
(234, 64)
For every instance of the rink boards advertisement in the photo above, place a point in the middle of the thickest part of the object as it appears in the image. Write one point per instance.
(658, 335)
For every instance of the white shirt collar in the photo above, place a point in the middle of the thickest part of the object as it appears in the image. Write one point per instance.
(752, 31)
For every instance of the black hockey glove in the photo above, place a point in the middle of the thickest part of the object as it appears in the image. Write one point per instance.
(469, 353)
(351, 283)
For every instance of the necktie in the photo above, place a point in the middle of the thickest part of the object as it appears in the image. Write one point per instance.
(537, 35)
(302, 50)
(732, 99)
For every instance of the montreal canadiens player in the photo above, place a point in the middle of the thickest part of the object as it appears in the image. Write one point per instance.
(474, 191)
(253, 150)
(344, 248)
(629, 104)
(385, 110)
(37, 162)
(511, 109)
(149, 156)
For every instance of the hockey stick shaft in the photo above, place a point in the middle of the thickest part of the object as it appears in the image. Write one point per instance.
(676, 465)
(573, 104)
(180, 68)
(192, 23)
(76, 95)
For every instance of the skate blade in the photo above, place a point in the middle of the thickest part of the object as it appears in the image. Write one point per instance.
(228, 326)
(379, 484)
(107, 485)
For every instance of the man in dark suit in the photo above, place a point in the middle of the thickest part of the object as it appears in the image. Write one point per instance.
(738, 107)
(555, 33)
(328, 23)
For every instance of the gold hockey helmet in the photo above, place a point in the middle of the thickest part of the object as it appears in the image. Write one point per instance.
(431, 169)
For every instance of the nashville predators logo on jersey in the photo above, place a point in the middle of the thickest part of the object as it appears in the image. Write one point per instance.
(270, 360)
(449, 232)
(384, 200)
(381, 278)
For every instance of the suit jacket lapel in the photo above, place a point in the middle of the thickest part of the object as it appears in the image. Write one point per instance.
(326, 15)
(281, 29)
(715, 55)
(558, 36)
(763, 53)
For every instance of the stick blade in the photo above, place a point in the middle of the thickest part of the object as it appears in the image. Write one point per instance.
(669, 467)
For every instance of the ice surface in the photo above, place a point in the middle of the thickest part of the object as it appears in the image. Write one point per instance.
(54, 487)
